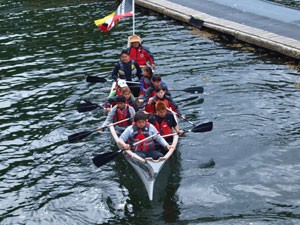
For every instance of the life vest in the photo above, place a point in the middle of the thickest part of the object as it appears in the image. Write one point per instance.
(122, 115)
(150, 108)
(140, 55)
(118, 91)
(146, 84)
(140, 134)
(133, 73)
(163, 127)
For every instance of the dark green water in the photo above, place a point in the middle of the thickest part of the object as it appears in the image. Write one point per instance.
(49, 47)
(289, 3)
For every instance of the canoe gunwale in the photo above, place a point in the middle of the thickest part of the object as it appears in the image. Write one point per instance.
(147, 168)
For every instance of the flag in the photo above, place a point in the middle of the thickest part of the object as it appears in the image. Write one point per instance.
(108, 22)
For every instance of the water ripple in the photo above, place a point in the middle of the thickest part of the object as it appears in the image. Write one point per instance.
(252, 100)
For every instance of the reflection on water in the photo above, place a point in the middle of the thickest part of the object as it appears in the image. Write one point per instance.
(47, 50)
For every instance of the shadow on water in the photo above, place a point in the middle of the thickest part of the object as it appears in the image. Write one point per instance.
(164, 206)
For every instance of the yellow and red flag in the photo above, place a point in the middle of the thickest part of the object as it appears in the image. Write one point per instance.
(108, 22)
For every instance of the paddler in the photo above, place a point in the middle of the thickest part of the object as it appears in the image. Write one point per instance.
(140, 53)
(126, 69)
(156, 81)
(130, 100)
(119, 112)
(165, 121)
(161, 96)
(138, 131)
(145, 80)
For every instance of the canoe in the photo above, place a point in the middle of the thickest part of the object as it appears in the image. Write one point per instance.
(147, 168)
(135, 87)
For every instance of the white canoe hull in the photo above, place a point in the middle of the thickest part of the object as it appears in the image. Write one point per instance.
(147, 169)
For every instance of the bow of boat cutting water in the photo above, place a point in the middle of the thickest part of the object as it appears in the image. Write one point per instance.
(246, 170)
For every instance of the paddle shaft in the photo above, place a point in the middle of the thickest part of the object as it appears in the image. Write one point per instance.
(145, 139)
(79, 136)
(104, 158)
(94, 79)
(181, 117)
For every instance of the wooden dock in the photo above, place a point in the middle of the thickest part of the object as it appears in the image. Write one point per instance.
(280, 34)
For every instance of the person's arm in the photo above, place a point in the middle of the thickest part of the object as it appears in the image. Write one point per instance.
(133, 104)
(149, 56)
(142, 84)
(167, 88)
(111, 100)
(114, 74)
(131, 111)
(110, 117)
(124, 138)
(112, 94)
(173, 105)
(138, 70)
(147, 96)
(158, 138)
(174, 124)
(151, 119)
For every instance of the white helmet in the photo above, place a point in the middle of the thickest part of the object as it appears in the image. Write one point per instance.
(122, 83)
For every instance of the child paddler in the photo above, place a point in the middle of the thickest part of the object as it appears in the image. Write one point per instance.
(119, 112)
(165, 121)
(139, 53)
(138, 131)
(156, 81)
(161, 96)
(130, 100)
(128, 70)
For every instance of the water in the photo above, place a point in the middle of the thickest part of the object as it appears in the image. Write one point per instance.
(289, 3)
(47, 50)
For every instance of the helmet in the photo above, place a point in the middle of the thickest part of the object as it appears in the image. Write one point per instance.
(122, 83)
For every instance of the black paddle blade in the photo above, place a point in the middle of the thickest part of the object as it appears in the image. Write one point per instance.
(79, 136)
(92, 79)
(194, 90)
(102, 159)
(87, 106)
(204, 127)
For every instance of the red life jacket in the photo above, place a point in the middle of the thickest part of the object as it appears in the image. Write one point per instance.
(118, 91)
(151, 108)
(121, 115)
(140, 134)
(140, 55)
(163, 127)
(146, 84)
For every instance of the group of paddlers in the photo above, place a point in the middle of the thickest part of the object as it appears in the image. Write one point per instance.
(140, 103)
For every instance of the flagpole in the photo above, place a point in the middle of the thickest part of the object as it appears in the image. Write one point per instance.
(133, 17)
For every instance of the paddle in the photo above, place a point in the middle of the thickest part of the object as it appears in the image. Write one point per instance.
(201, 128)
(193, 90)
(87, 106)
(93, 79)
(106, 157)
(204, 127)
(102, 159)
(79, 136)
